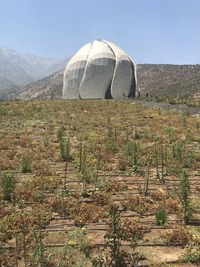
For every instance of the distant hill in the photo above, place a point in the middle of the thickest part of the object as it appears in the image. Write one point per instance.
(169, 80)
(153, 79)
(46, 88)
(17, 69)
(11, 88)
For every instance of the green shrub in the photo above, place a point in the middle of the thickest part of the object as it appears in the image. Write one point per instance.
(79, 239)
(114, 237)
(184, 196)
(191, 254)
(161, 216)
(60, 133)
(178, 149)
(132, 150)
(170, 131)
(46, 141)
(65, 150)
(7, 183)
(110, 141)
(25, 165)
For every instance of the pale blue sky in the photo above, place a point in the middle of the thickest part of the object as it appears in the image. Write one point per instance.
(151, 31)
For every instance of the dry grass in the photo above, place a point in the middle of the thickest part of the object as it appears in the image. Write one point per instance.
(112, 170)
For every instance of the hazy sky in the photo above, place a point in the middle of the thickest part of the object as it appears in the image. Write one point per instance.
(151, 31)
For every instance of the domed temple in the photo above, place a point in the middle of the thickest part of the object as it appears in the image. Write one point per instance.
(100, 70)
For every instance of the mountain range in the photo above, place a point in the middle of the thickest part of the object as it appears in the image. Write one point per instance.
(19, 69)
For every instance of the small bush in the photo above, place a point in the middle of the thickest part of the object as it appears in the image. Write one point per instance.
(178, 150)
(139, 204)
(159, 194)
(64, 206)
(101, 198)
(25, 165)
(85, 212)
(191, 254)
(42, 168)
(161, 216)
(178, 236)
(114, 237)
(7, 183)
(65, 150)
(132, 150)
(46, 141)
(79, 239)
(122, 164)
(184, 196)
(134, 231)
(171, 205)
(116, 186)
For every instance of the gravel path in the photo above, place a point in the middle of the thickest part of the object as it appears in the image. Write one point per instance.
(168, 107)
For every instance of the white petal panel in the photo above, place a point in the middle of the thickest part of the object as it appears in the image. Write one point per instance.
(98, 71)
(123, 74)
(74, 73)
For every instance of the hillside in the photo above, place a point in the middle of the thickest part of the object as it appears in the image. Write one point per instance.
(154, 79)
(45, 88)
(169, 80)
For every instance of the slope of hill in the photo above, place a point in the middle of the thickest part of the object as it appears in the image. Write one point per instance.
(154, 79)
(22, 69)
(169, 80)
(46, 88)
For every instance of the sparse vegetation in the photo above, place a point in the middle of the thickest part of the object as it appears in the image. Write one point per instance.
(64, 164)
